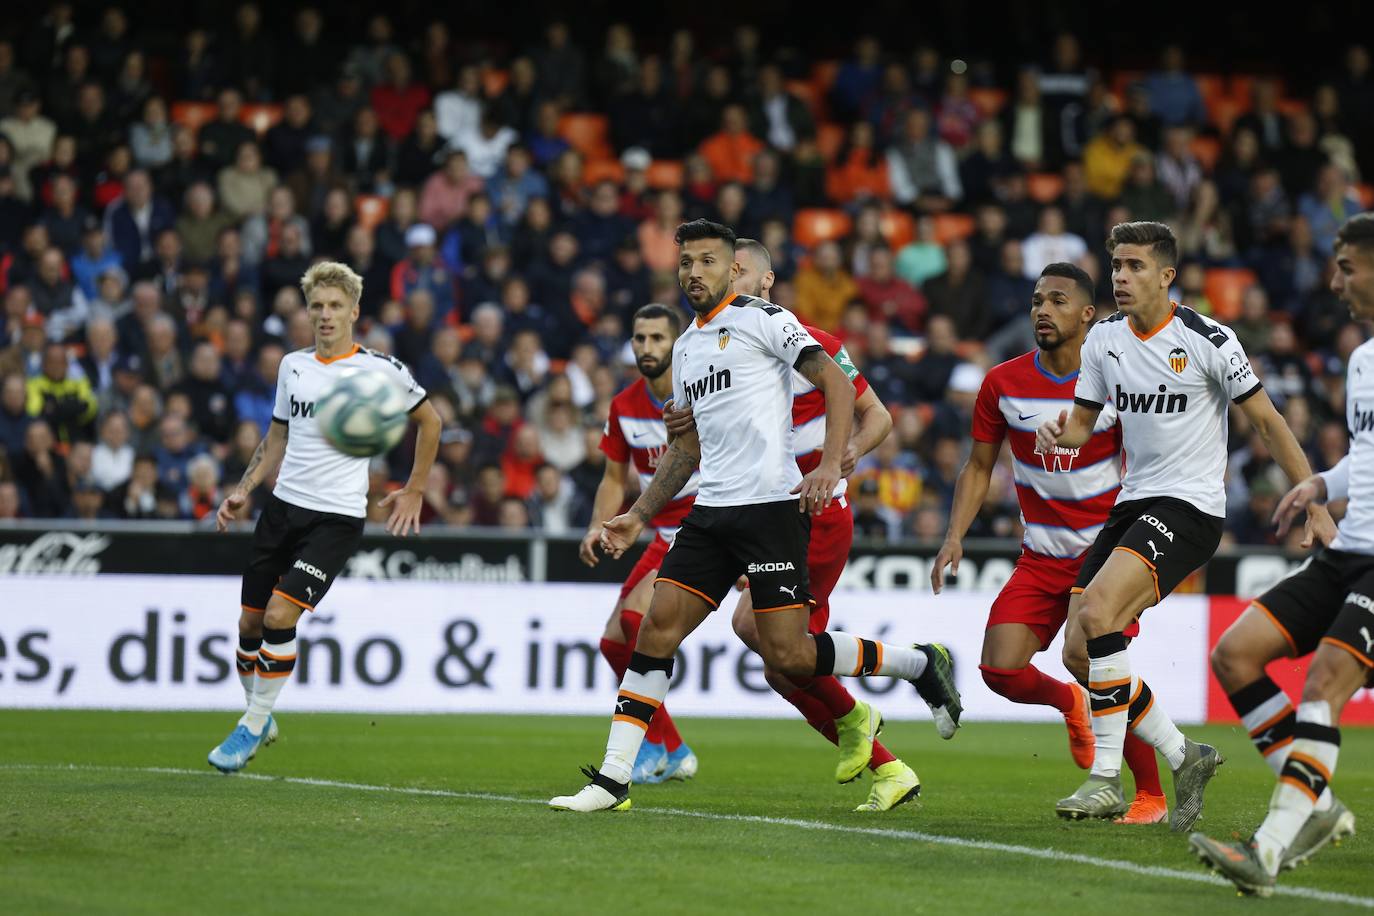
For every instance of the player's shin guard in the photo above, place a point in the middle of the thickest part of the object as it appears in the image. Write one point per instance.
(1305, 776)
(276, 661)
(844, 655)
(246, 660)
(641, 694)
(1150, 724)
(1109, 693)
(1028, 685)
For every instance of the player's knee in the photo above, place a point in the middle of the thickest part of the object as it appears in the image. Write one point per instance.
(1095, 616)
(1075, 658)
(250, 625)
(789, 658)
(745, 628)
(656, 639)
(780, 682)
(1332, 679)
(1232, 665)
(277, 617)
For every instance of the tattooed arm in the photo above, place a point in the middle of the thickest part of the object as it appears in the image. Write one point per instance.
(674, 470)
(817, 487)
(264, 462)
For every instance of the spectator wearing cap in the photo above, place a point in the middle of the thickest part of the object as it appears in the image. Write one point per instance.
(400, 99)
(444, 197)
(513, 187)
(133, 222)
(64, 402)
(94, 258)
(245, 185)
(421, 269)
(32, 136)
(200, 223)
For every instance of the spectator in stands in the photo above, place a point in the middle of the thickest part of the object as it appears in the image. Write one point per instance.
(212, 407)
(1254, 324)
(731, 151)
(1024, 122)
(931, 373)
(163, 353)
(42, 473)
(780, 117)
(133, 223)
(859, 172)
(112, 460)
(14, 414)
(561, 67)
(486, 147)
(10, 505)
(1264, 215)
(31, 135)
(444, 198)
(1263, 120)
(958, 293)
(151, 138)
(824, 288)
(136, 498)
(50, 292)
(1173, 93)
(262, 233)
(889, 298)
(1178, 168)
(421, 269)
(1107, 158)
(1143, 196)
(922, 168)
(99, 361)
(201, 222)
(244, 187)
(256, 399)
(1050, 243)
(923, 257)
(176, 447)
(1205, 229)
(219, 140)
(600, 228)
(201, 495)
(1330, 203)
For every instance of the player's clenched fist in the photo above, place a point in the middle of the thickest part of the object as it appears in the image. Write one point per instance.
(1047, 436)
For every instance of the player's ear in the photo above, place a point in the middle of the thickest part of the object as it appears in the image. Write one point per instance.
(1168, 274)
(768, 280)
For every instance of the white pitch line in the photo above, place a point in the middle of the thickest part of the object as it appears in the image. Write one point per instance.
(1034, 852)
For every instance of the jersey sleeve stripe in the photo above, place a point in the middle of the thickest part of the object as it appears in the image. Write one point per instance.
(1091, 405)
(277, 419)
(1248, 395)
(423, 398)
(805, 352)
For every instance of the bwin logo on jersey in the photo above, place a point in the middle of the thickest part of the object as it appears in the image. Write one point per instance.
(1164, 402)
(769, 567)
(1363, 420)
(1178, 359)
(302, 408)
(716, 380)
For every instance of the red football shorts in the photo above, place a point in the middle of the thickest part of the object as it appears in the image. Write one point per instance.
(648, 564)
(832, 534)
(1037, 596)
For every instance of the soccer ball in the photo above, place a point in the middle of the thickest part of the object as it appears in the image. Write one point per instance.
(363, 413)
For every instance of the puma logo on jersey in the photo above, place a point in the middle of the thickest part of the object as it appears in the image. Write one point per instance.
(296, 373)
(302, 408)
(1163, 402)
(1115, 357)
(790, 592)
(769, 567)
(1368, 641)
(1153, 550)
(715, 380)
(310, 593)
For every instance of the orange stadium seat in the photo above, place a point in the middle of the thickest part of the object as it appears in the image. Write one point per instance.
(1225, 288)
(829, 139)
(989, 101)
(598, 170)
(1122, 81)
(1224, 113)
(1293, 106)
(586, 133)
(952, 226)
(897, 227)
(192, 114)
(1366, 192)
(260, 117)
(1044, 187)
(371, 209)
(811, 227)
(665, 174)
(1208, 151)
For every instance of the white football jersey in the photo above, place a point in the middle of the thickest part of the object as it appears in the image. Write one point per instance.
(1353, 477)
(734, 368)
(1171, 389)
(314, 474)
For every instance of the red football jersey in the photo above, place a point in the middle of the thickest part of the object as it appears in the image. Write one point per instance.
(808, 406)
(1065, 496)
(635, 433)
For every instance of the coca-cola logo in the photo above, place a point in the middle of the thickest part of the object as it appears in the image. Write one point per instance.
(54, 553)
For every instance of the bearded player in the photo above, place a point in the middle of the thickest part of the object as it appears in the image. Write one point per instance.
(824, 702)
(1065, 498)
(635, 433)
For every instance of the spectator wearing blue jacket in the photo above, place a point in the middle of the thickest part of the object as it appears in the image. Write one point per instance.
(132, 222)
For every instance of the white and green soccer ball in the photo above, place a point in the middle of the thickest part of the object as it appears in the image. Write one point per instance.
(363, 413)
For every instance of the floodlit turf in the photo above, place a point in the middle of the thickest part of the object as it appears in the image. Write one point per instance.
(112, 836)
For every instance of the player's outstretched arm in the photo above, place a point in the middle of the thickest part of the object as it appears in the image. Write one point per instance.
(674, 470)
(1283, 445)
(1071, 429)
(818, 487)
(263, 464)
(610, 496)
(407, 502)
(969, 492)
(873, 423)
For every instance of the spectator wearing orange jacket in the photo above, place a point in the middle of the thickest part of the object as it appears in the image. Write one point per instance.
(731, 152)
(824, 288)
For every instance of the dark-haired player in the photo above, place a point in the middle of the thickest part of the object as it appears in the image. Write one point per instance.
(1172, 376)
(1064, 497)
(733, 366)
(1326, 608)
(635, 434)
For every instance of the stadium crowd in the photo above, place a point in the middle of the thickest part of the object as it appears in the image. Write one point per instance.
(509, 214)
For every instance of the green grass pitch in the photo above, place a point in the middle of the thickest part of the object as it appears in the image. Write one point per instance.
(106, 812)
